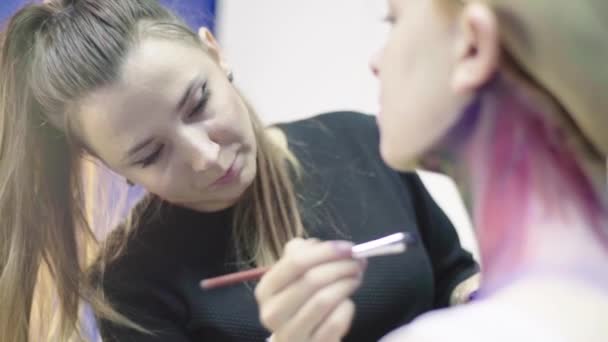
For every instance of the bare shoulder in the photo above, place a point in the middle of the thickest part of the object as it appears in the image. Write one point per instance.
(532, 311)
(406, 334)
(475, 322)
(436, 326)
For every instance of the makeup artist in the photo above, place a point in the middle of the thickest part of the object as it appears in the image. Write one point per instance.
(127, 83)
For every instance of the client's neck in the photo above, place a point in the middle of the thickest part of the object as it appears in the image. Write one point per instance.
(536, 197)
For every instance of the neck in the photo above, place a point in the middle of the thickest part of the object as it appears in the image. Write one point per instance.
(536, 199)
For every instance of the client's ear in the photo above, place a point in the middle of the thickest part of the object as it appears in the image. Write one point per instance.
(478, 48)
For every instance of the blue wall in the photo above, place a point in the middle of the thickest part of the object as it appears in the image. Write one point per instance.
(8, 7)
(196, 12)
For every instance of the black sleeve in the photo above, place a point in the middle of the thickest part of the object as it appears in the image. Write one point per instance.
(146, 307)
(451, 263)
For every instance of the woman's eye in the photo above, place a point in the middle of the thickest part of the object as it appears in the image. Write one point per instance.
(201, 104)
(151, 158)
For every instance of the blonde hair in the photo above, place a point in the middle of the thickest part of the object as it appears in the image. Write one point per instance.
(51, 55)
(559, 46)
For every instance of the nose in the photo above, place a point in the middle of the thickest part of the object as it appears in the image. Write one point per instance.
(373, 63)
(200, 152)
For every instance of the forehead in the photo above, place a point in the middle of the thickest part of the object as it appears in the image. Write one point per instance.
(157, 60)
(152, 80)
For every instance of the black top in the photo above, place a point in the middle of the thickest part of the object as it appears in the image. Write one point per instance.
(349, 193)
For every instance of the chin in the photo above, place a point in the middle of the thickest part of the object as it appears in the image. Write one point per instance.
(219, 206)
(396, 159)
(212, 206)
(227, 196)
(234, 193)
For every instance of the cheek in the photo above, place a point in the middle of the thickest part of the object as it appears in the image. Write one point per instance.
(415, 99)
(242, 123)
(166, 185)
(154, 184)
(231, 121)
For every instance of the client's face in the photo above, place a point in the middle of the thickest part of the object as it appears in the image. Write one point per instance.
(423, 69)
(174, 124)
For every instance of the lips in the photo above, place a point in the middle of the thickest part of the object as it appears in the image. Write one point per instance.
(230, 175)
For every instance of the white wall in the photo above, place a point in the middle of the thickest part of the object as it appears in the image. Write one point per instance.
(297, 58)
(294, 59)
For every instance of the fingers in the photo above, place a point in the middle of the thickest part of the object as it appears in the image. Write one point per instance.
(319, 309)
(337, 325)
(305, 295)
(282, 307)
(300, 256)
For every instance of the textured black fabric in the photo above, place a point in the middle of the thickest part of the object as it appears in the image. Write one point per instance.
(347, 193)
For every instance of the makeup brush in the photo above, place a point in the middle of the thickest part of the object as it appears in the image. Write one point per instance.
(392, 244)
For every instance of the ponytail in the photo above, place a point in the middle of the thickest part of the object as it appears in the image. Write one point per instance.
(39, 212)
(48, 59)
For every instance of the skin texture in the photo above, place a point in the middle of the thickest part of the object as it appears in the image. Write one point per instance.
(192, 145)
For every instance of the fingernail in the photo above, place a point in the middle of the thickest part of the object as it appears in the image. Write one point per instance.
(343, 248)
(410, 239)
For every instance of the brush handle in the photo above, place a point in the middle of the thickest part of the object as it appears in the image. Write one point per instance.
(392, 244)
(234, 278)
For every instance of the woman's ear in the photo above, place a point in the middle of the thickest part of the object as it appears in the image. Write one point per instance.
(213, 48)
(478, 48)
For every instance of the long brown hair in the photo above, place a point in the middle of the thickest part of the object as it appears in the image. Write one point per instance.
(51, 56)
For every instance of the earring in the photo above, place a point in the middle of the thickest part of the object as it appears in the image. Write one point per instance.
(230, 76)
